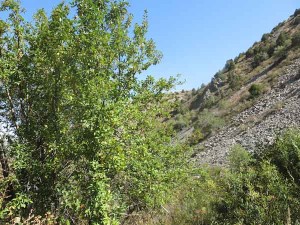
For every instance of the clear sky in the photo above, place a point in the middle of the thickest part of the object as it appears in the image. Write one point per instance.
(198, 36)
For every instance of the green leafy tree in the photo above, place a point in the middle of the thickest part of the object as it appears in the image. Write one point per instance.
(88, 144)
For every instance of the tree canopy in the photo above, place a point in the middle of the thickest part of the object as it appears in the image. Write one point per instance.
(86, 138)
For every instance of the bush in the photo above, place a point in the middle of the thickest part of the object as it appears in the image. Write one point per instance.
(256, 89)
(269, 48)
(296, 39)
(194, 92)
(249, 53)
(239, 158)
(265, 37)
(297, 12)
(285, 154)
(282, 50)
(282, 39)
(255, 195)
(234, 80)
(230, 65)
(196, 137)
(210, 101)
(208, 122)
(237, 58)
(259, 58)
(179, 123)
(296, 21)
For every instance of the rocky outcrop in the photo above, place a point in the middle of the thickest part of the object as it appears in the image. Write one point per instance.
(259, 125)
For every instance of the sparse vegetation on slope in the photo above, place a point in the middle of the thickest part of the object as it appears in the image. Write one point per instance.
(244, 80)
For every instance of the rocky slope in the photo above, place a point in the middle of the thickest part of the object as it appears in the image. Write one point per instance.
(258, 125)
(226, 112)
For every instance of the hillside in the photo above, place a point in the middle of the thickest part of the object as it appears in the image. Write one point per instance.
(250, 101)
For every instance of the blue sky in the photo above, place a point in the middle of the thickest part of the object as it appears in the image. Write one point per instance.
(196, 37)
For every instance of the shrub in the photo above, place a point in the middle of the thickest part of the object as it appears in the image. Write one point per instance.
(239, 158)
(255, 195)
(210, 101)
(281, 51)
(296, 21)
(259, 58)
(256, 90)
(285, 154)
(179, 123)
(282, 39)
(265, 37)
(249, 53)
(257, 49)
(297, 12)
(234, 80)
(196, 137)
(230, 65)
(296, 39)
(269, 48)
(208, 122)
(237, 58)
(194, 92)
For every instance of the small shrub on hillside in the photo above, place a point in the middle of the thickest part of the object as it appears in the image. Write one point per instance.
(256, 89)
(297, 12)
(265, 37)
(224, 104)
(221, 76)
(285, 154)
(249, 53)
(210, 101)
(296, 39)
(296, 21)
(196, 137)
(259, 58)
(269, 48)
(237, 58)
(239, 158)
(234, 80)
(282, 50)
(179, 123)
(277, 27)
(257, 49)
(230, 65)
(208, 122)
(282, 39)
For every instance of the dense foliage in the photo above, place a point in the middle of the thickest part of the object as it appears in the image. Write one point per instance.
(254, 189)
(86, 142)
